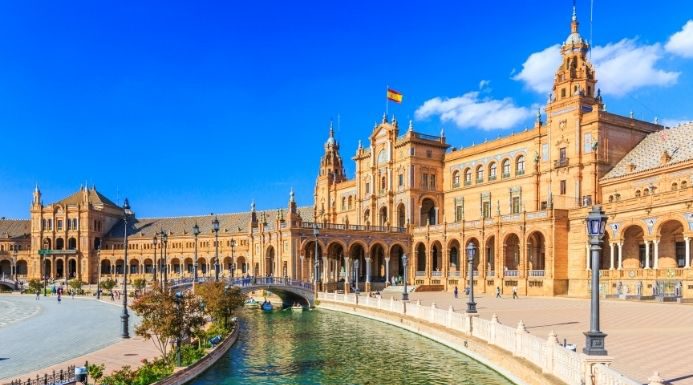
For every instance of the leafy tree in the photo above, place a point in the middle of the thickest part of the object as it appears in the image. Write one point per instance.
(35, 285)
(76, 285)
(96, 371)
(139, 283)
(163, 317)
(108, 284)
(220, 301)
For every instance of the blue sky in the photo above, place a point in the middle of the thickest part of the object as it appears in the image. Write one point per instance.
(198, 107)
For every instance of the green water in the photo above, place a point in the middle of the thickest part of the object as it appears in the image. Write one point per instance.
(323, 347)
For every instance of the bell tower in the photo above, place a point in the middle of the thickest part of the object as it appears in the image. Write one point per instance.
(331, 173)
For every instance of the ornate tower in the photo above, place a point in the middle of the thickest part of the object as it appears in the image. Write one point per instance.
(331, 173)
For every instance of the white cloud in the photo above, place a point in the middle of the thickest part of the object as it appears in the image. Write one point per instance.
(624, 66)
(484, 84)
(469, 110)
(673, 122)
(621, 67)
(539, 68)
(681, 43)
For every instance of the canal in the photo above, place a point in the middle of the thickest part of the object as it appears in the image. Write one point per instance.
(324, 347)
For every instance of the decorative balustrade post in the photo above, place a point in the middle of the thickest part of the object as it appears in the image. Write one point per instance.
(492, 329)
(655, 379)
(521, 329)
(448, 320)
(432, 313)
(551, 344)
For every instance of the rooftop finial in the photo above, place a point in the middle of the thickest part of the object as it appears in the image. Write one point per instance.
(538, 121)
(385, 117)
(574, 18)
(252, 206)
(331, 130)
(411, 125)
(291, 196)
(360, 146)
(442, 132)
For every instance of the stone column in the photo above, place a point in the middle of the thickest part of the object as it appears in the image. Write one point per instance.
(620, 255)
(387, 270)
(656, 253)
(347, 270)
(302, 277)
(368, 273)
(611, 248)
(647, 254)
(325, 271)
(688, 252)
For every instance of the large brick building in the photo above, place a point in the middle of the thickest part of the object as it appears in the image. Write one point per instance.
(521, 200)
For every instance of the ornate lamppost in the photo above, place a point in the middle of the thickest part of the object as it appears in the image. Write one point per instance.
(196, 232)
(98, 280)
(155, 240)
(164, 267)
(405, 293)
(179, 300)
(233, 263)
(471, 252)
(356, 273)
(125, 316)
(596, 222)
(215, 227)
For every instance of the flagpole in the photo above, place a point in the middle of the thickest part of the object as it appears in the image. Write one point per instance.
(387, 100)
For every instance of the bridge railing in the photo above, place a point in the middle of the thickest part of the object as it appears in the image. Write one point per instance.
(270, 281)
(186, 281)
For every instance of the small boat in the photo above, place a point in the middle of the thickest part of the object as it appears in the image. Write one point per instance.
(267, 306)
(252, 304)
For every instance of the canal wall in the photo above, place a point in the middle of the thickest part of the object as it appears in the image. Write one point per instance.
(190, 372)
(513, 352)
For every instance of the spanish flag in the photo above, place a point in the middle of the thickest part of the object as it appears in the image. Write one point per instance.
(394, 96)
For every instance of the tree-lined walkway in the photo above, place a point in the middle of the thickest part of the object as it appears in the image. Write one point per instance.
(642, 337)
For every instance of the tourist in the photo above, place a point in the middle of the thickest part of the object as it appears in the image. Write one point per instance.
(38, 294)
(455, 291)
(112, 296)
(59, 298)
(514, 292)
(466, 290)
(498, 292)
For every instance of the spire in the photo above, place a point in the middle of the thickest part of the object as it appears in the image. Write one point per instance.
(384, 117)
(411, 125)
(292, 199)
(574, 24)
(252, 206)
(442, 132)
(538, 120)
(574, 12)
(394, 120)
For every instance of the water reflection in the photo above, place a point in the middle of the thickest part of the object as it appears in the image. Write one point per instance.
(323, 347)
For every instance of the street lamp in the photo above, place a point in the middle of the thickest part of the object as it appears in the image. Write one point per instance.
(471, 252)
(196, 232)
(316, 232)
(164, 267)
(14, 270)
(405, 294)
(156, 262)
(233, 264)
(126, 212)
(596, 222)
(98, 281)
(356, 273)
(215, 227)
(179, 299)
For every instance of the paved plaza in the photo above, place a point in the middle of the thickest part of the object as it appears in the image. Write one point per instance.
(50, 333)
(642, 337)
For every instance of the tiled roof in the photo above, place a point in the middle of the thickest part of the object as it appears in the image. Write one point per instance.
(228, 223)
(93, 196)
(648, 154)
(13, 228)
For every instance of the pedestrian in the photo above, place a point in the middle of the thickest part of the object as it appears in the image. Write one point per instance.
(38, 294)
(514, 292)
(112, 299)
(73, 294)
(498, 292)
(455, 291)
(59, 298)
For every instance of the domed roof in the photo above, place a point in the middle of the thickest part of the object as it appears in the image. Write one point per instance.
(574, 38)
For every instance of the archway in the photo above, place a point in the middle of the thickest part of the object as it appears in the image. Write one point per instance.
(357, 253)
(202, 266)
(119, 266)
(59, 244)
(72, 244)
(436, 258)
(377, 263)
(672, 246)
(396, 265)
(134, 266)
(454, 266)
(22, 269)
(335, 266)
(269, 262)
(633, 249)
(105, 266)
(188, 265)
(428, 212)
(401, 215)
(59, 268)
(227, 265)
(536, 254)
(477, 255)
(6, 269)
(241, 265)
(511, 257)
(309, 260)
(72, 268)
(175, 266)
(148, 266)
(420, 259)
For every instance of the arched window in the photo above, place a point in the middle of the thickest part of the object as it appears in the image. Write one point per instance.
(349, 203)
(506, 168)
(684, 184)
(71, 244)
(674, 186)
(611, 198)
(637, 193)
(479, 174)
(456, 179)
(467, 176)
(520, 165)
(492, 171)
(645, 192)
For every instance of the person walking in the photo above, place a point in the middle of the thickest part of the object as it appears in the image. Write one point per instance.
(498, 292)
(455, 291)
(38, 294)
(514, 292)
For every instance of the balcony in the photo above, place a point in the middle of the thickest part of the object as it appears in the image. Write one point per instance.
(511, 273)
(420, 273)
(562, 162)
(536, 273)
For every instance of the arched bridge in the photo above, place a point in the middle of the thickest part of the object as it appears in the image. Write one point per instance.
(9, 283)
(289, 290)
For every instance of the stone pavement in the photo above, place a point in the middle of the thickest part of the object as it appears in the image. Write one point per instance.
(53, 336)
(642, 337)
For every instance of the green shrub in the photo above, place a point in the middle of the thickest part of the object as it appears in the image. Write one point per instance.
(35, 286)
(190, 354)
